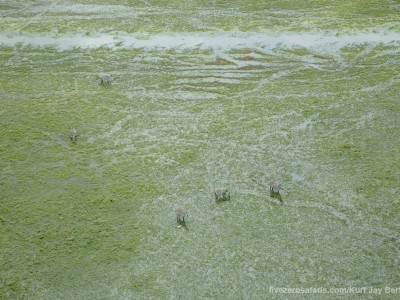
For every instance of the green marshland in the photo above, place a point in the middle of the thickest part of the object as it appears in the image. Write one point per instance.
(205, 94)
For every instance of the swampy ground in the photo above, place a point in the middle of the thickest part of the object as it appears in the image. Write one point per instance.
(95, 219)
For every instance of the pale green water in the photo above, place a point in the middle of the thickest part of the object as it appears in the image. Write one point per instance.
(306, 95)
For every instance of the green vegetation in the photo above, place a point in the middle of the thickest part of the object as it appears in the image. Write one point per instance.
(174, 16)
(95, 219)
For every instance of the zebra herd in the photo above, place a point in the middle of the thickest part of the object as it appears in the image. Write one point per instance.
(221, 194)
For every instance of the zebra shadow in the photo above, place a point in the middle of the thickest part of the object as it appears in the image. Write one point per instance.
(276, 195)
(182, 223)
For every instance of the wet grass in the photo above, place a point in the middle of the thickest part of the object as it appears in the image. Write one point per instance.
(159, 16)
(95, 219)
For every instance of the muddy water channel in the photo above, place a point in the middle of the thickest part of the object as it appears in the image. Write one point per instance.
(191, 109)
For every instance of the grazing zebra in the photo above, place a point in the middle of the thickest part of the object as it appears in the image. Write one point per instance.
(222, 194)
(105, 79)
(181, 215)
(73, 134)
(275, 187)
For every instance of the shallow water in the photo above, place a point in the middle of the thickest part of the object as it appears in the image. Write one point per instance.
(220, 41)
(190, 111)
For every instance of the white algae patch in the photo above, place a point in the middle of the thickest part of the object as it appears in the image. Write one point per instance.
(222, 41)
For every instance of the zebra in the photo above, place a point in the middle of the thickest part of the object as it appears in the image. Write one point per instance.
(105, 79)
(275, 187)
(222, 194)
(181, 215)
(73, 134)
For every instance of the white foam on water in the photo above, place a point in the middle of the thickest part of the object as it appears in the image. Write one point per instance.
(61, 43)
(218, 41)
